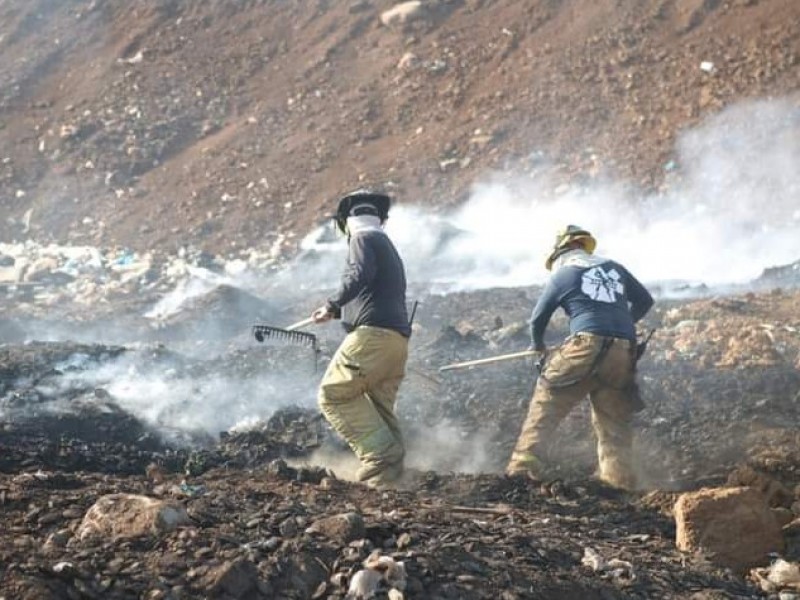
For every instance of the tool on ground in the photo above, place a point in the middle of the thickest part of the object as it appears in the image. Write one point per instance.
(287, 334)
(490, 360)
(642, 346)
(413, 313)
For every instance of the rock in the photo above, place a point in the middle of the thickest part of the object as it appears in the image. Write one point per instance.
(120, 516)
(288, 527)
(233, 579)
(342, 528)
(408, 61)
(782, 515)
(40, 269)
(58, 539)
(402, 13)
(774, 492)
(733, 527)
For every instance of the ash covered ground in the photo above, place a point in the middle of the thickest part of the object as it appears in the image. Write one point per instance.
(187, 408)
(164, 166)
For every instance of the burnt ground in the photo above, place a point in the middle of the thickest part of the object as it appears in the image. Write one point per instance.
(226, 126)
(720, 378)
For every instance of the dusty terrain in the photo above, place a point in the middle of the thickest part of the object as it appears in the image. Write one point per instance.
(227, 125)
(721, 381)
(175, 153)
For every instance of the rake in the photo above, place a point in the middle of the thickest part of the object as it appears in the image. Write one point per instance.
(288, 335)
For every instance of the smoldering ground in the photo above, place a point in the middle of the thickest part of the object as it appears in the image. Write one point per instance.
(709, 225)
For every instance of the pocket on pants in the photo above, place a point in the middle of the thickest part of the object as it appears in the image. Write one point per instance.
(571, 362)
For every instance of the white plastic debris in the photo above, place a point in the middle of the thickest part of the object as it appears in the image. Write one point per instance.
(616, 568)
(63, 566)
(364, 584)
(592, 559)
(779, 576)
(707, 66)
(133, 60)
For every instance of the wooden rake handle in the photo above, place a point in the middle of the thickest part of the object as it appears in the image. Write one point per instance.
(487, 361)
(300, 324)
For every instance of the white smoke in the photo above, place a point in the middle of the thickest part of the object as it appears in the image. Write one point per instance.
(731, 210)
(209, 403)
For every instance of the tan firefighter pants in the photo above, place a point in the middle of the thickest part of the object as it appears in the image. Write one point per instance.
(357, 396)
(572, 372)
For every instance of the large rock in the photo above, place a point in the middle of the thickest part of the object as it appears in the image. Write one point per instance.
(402, 13)
(233, 579)
(733, 527)
(342, 528)
(774, 492)
(127, 515)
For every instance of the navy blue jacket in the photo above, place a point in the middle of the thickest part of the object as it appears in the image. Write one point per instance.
(373, 289)
(602, 298)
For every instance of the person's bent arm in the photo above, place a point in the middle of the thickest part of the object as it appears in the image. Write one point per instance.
(640, 299)
(544, 309)
(359, 273)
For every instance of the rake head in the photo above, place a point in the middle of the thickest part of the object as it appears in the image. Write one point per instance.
(287, 336)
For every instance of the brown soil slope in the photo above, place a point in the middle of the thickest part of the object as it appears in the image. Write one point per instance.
(162, 122)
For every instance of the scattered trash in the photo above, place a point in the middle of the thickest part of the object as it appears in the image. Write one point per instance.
(779, 576)
(192, 490)
(616, 568)
(133, 60)
(707, 66)
(364, 584)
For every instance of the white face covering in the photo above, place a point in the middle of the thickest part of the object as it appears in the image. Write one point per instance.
(577, 258)
(360, 223)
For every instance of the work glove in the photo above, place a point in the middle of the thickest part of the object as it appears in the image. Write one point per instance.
(539, 358)
(322, 314)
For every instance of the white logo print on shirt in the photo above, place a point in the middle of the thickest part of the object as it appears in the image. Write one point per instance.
(602, 285)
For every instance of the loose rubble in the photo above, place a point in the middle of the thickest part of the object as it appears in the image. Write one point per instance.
(267, 509)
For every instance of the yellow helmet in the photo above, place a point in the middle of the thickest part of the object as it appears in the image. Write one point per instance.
(565, 237)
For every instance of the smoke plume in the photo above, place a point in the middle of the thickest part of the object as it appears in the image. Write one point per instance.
(730, 209)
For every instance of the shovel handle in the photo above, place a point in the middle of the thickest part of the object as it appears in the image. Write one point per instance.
(486, 361)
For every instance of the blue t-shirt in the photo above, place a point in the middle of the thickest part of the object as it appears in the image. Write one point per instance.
(601, 298)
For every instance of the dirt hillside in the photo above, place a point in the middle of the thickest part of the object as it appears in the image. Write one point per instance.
(176, 150)
(224, 124)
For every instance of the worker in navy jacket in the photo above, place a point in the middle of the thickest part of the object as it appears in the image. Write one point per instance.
(359, 389)
(603, 302)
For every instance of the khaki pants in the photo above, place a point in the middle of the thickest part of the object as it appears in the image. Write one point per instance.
(357, 396)
(572, 372)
